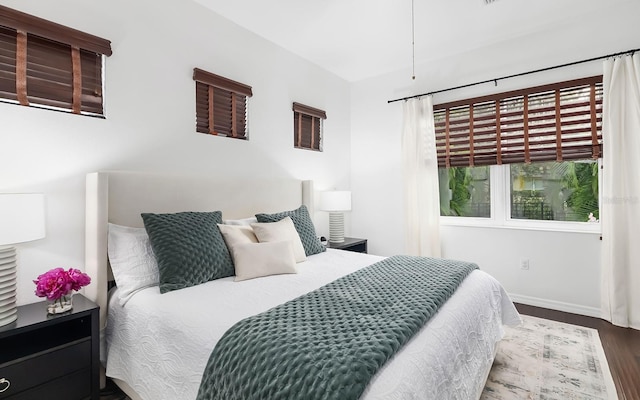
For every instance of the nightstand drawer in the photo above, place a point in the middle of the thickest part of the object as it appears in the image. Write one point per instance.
(37, 369)
(76, 386)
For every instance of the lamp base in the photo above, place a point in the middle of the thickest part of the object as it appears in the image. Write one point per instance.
(336, 227)
(8, 283)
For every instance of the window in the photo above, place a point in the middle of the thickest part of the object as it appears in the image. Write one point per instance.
(43, 64)
(549, 137)
(552, 191)
(221, 105)
(465, 192)
(307, 127)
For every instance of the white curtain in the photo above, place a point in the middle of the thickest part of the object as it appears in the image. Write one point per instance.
(620, 208)
(420, 171)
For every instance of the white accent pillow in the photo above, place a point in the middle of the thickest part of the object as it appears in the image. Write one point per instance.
(278, 231)
(235, 235)
(133, 263)
(243, 221)
(254, 260)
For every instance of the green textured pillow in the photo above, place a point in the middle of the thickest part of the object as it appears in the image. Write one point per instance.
(304, 226)
(189, 248)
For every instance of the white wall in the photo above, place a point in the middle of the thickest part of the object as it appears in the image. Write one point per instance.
(565, 267)
(150, 108)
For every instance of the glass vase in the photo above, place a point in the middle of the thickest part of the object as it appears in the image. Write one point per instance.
(61, 305)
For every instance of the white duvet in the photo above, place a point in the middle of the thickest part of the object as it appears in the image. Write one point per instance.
(160, 344)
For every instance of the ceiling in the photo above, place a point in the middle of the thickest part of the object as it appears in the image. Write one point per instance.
(358, 39)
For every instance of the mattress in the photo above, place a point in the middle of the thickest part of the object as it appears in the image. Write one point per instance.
(160, 344)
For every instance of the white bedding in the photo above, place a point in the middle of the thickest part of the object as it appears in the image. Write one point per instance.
(160, 344)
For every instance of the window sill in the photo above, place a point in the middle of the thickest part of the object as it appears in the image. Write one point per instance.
(549, 226)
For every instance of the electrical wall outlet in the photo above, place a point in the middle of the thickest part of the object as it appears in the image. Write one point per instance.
(524, 263)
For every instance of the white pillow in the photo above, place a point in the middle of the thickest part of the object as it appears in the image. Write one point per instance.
(254, 260)
(132, 261)
(243, 221)
(278, 231)
(237, 234)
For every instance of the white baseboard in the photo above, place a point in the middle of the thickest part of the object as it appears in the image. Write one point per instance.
(556, 305)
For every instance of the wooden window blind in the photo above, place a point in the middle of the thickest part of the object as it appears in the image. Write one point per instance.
(558, 122)
(46, 64)
(307, 127)
(221, 105)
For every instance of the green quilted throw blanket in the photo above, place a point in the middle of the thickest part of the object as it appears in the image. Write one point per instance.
(328, 344)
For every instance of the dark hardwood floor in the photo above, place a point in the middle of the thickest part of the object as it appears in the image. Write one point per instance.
(112, 392)
(621, 346)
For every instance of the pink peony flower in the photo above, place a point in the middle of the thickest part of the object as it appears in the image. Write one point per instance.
(57, 282)
(78, 279)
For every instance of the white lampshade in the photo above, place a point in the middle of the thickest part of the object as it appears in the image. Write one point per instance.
(335, 200)
(21, 220)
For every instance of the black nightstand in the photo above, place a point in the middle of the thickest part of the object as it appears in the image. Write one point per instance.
(51, 357)
(350, 244)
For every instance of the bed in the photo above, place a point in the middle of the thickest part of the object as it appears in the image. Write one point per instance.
(157, 345)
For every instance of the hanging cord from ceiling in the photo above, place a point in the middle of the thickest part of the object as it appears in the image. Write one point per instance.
(413, 41)
(495, 80)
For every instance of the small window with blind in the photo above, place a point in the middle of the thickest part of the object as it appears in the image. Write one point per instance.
(221, 105)
(549, 140)
(307, 127)
(47, 65)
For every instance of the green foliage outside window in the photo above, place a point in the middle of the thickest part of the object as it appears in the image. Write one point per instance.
(584, 182)
(565, 191)
(465, 192)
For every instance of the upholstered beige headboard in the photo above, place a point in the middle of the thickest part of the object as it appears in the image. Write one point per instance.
(119, 197)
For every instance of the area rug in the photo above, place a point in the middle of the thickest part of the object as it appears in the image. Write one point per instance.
(549, 360)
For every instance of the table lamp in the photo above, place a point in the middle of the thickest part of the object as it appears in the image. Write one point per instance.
(21, 220)
(336, 202)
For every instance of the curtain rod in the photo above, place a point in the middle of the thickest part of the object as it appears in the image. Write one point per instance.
(495, 80)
